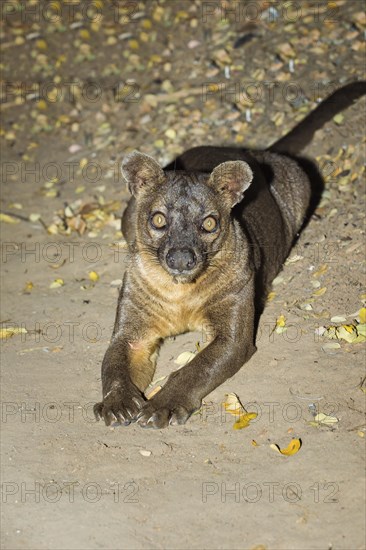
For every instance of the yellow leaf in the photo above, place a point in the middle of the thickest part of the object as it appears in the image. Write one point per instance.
(52, 229)
(320, 292)
(293, 447)
(347, 332)
(146, 24)
(28, 287)
(57, 283)
(338, 119)
(64, 119)
(134, 45)
(281, 321)
(244, 420)
(10, 136)
(270, 296)
(42, 105)
(254, 443)
(84, 34)
(325, 419)
(51, 194)
(280, 324)
(53, 96)
(155, 58)
(362, 315)
(11, 331)
(322, 269)
(232, 405)
(170, 133)
(8, 219)
(93, 276)
(41, 44)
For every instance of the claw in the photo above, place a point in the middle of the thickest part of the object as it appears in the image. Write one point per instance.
(97, 410)
(121, 419)
(139, 416)
(138, 403)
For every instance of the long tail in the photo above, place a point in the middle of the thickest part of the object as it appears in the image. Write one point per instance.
(298, 138)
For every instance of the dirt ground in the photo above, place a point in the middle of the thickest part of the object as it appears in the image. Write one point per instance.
(78, 92)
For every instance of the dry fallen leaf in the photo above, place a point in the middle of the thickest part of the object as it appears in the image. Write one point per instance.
(293, 447)
(8, 332)
(244, 420)
(353, 334)
(280, 324)
(322, 418)
(57, 266)
(57, 283)
(184, 358)
(8, 219)
(34, 217)
(233, 406)
(362, 315)
(93, 276)
(337, 319)
(153, 392)
(322, 269)
(28, 287)
(320, 292)
(331, 346)
(293, 259)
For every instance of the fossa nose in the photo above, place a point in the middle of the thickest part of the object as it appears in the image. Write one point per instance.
(181, 259)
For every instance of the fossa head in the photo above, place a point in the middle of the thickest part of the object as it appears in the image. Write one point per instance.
(182, 218)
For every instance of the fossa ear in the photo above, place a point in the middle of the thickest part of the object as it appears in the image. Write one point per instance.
(230, 179)
(141, 172)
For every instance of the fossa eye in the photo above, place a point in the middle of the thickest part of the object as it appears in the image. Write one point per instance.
(158, 221)
(209, 224)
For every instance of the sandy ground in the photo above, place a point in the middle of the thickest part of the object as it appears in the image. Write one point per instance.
(71, 483)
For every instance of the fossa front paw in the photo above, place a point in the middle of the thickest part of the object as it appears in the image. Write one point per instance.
(162, 411)
(119, 405)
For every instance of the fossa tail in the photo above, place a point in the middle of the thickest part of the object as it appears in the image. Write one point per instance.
(298, 138)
